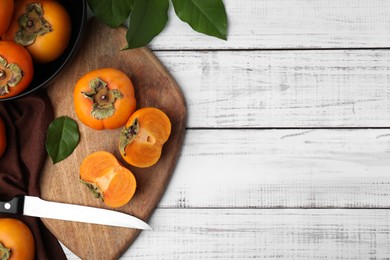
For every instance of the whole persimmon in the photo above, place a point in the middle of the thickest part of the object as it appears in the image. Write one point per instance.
(42, 26)
(142, 139)
(108, 179)
(16, 69)
(16, 240)
(6, 10)
(3, 137)
(104, 99)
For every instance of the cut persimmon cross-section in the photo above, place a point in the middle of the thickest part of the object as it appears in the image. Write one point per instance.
(108, 179)
(142, 139)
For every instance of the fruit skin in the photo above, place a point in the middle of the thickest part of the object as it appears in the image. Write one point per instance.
(124, 106)
(142, 139)
(14, 53)
(17, 236)
(6, 10)
(108, 179)
(3, 137)
(49, 46)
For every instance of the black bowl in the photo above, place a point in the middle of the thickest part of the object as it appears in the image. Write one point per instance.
(44, 74)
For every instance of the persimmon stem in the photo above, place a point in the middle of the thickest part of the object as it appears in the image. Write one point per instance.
(2, 74)
(94, 189)
(30, 23)
(103, 98)
(5, 253)
(127, 135)
(10, 75)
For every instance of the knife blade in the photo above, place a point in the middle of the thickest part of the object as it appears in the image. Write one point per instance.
(37, 207)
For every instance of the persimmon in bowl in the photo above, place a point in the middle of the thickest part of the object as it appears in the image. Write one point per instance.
(49, 60)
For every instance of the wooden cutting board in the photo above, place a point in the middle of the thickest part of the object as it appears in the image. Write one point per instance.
(154, 87)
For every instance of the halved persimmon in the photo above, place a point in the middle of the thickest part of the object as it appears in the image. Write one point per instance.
(142, 139)
(104, 99)
(108, 179)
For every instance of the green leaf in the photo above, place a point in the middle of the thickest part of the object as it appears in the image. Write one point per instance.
(111, 12)
(62, 138)
(148, 18)
(204, 16)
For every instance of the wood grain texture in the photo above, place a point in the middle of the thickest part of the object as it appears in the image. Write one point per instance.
(278, 70)
(282, 168)
(60, 182)
(289, 24)
(264, 234)
(318, 88)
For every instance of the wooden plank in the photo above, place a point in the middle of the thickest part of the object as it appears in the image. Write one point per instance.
(266, 234)
(319, 88)
(154, 87)
(282, 168)
(281, 24)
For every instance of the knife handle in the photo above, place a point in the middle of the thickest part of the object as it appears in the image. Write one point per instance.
(14, 206)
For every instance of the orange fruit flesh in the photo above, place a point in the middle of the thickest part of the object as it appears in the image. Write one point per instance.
(120, 189)
(154, 130)
(116, 183)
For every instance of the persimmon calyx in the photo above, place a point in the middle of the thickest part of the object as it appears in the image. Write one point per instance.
(5, 253)
(32, 24)
(127, 135)
(10, 75)
(103, 99)
(94, 189)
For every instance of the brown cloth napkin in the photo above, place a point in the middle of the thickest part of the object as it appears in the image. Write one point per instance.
(26, 121)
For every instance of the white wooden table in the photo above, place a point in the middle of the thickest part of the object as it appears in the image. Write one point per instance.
(287, 151)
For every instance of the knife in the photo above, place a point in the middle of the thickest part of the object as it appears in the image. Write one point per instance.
(36, 207)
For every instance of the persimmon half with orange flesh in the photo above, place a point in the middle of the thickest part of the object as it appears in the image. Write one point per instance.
(108, 179)
(142, 139)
